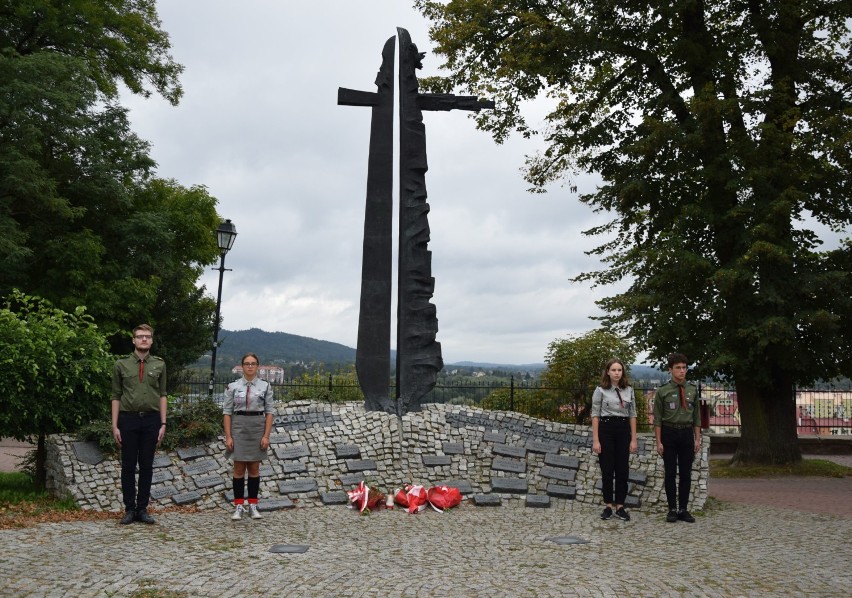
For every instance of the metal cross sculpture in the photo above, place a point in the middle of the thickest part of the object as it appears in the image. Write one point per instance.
(418, 354)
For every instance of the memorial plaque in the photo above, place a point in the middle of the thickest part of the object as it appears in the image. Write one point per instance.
(557, 473)
(292, 452)
(632, 502)
(566, 461)
(508, 450)
(509, 485)
(565, 540)
(335, 497)
(275, 504)
(186, 498)
(509, 465)
(266, 471)
(638, 477)
(192, 452)
(294, 467)
(361, 465)
(436, 460)
(351, 479)
(209, 481)
(347, 451)
(161, 476)
(498, 437)
(162, 461)
(540, 501)
(487, 500)
(289, 548)
(542, 446)
(453, 448)
(88, 452)
(464, 486)
(294, 486)
(279, 438)
(568, 491)
(200, 467)
(159, 492)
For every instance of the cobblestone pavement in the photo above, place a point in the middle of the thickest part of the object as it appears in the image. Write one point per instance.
(732, 550)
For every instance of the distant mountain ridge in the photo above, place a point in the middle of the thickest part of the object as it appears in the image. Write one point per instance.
(279, 348)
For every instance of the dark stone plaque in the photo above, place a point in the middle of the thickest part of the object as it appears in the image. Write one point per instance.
(275, 504)
(557, 473)
(632, 502)
(453, 448)
(186, 498)
(540, 501)
(508, 450)
(294, 467)
(542, 446)
(335, 497)
(88, 452)
(565, 540)
(510, 465)
(638, 477)
(294, 486)
(158, 492)
(289, 548)
(200, 467)
(209, 481)
(509, 485)
(568, 491)
(192, 452)
(498, 437)
(347, 451)
(463, 486)
(361, 465)
(162, 461)
(292, 452)
(162, 476)
(266, 471)
(487, 500)
(436, 460)
(279, 438)
(565, 461)
(351, 479)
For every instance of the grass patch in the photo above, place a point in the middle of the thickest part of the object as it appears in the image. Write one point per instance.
(20, 498)
(721, 468)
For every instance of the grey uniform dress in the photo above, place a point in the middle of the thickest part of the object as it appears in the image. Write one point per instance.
(248, 404)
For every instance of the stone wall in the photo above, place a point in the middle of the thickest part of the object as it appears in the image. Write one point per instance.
(318, 451)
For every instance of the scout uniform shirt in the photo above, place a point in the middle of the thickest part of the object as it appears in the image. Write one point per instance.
(669, 409)
(258, 392)
(139, 383)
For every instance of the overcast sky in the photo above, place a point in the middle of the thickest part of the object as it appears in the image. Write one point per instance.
(260, 127)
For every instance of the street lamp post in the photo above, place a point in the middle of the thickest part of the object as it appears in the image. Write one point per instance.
(225, 236)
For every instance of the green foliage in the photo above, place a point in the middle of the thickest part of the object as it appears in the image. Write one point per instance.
(576, 364)
(17, 488)
(56, 368)
(721, 133)
(315, 387)
(535, 402)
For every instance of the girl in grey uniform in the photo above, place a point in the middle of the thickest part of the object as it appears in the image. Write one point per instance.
(247, 410)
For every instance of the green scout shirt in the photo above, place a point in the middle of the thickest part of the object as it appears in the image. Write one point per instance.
(133, 394)
(667, 408)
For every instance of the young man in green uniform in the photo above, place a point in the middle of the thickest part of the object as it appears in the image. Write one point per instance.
(138, 420)
(677, 425)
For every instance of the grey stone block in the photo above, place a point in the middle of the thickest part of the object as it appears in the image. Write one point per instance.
(568, 491)
(335, 497)
(436, 460)
(453, 448)
(347, 451)
(292, 452)
(508, 450)
(557, 473)
(509, 485)
(566, 461)
(361, 465)
(487, 500)
(498, 437)
(541, 501)
(509, 465)
(294, 486)
(190, 453)
(186, 498)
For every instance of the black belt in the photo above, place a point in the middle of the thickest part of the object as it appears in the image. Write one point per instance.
(140, 413)
(611, 419)
(678, 426)
(248, 412)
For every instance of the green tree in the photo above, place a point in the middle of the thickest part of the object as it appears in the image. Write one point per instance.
(56, 372)
(721, 132)
(575, 365)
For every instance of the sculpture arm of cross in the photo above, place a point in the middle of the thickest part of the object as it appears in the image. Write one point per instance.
(448, 101)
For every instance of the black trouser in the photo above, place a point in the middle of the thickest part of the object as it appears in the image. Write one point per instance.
(678, 453)
(139, 433)
(614, 435)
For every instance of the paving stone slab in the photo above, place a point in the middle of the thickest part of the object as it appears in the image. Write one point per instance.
(335, 497)
(279, 438)
(275, 504)
(509, 465)
(266, 471)
(509, 485)
(568, 491)
(361, 465)
(351, 479)
(566, 461)
(294, 467)
(199, 467)
(292, 452)
(160, 492)
(498, 437)
(508, 450)
(88, 452)
(294, 486)
(538, 501)
(347, 451)
(209, 481)
(436, 460)
(487, 500)
(162, 461)
(186, 498)
(558, 473)
(565, 540)
(453, 448)
(289, 548)
(191, 452)
(162, 476)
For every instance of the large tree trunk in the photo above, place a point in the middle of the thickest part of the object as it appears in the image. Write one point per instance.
(768, 422)
(40, 463)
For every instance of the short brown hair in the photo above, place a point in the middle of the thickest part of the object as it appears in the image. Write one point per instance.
(676, 358)
(144, 327)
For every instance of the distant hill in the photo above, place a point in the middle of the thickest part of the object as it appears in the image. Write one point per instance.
(277, 348)
(531, 367)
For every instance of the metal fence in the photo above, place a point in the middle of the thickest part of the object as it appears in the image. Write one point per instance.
(823, 412)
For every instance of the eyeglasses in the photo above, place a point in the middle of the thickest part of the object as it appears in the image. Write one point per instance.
(249, 365)
(144, 336)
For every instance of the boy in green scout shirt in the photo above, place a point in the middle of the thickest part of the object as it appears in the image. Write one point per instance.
(677, 426)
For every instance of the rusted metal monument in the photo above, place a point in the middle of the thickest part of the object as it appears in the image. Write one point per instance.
(418, 354)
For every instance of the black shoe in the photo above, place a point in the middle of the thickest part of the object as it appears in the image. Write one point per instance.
(129, 517)
(607, 513)
(143, 516)
(622, 514)
(685, 516)
(671, 517)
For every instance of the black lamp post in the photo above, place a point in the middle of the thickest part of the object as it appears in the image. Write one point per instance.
(225, 236)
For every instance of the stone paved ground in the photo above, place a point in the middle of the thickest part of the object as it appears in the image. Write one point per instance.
(732, 550)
